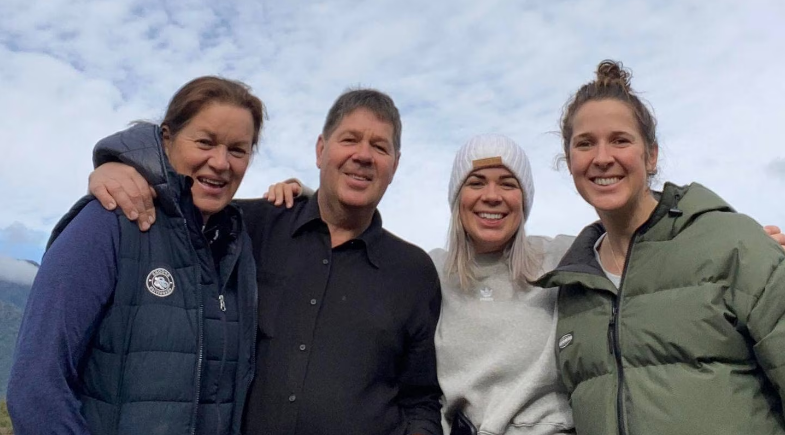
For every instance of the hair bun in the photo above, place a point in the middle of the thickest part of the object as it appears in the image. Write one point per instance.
(610, 72)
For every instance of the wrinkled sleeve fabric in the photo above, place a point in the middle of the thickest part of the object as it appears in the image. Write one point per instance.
(766, 324)
(419, 391)
(66, 304)
(138, 146)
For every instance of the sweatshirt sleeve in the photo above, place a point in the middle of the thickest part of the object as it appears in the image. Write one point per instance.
(66, 304)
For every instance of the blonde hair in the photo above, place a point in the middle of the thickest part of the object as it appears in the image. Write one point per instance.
(523, 259)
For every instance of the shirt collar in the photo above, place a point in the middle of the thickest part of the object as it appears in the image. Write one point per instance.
(310, 218)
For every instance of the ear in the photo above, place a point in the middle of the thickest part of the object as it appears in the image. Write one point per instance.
(651, 158)
(319, 151)
(395, 166)
(166, 138)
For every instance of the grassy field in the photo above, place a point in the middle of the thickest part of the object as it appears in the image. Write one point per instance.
(5, 420)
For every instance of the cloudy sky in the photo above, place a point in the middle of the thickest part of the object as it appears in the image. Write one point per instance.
(74, 71)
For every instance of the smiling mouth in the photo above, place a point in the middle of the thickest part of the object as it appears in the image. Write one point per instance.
(212, 183)
(359, 177)
(490, 216)
(606, 181)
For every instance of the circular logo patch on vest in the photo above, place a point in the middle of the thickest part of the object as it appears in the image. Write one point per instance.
(160, 282)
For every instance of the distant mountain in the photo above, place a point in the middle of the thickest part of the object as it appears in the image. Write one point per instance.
(16, 277)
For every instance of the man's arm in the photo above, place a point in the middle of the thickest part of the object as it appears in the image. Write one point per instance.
(66, 304)
(419, 387)
(130, 165)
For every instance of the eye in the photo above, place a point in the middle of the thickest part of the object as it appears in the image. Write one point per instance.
(381, 147)
(238, 152)
(582, 144)
(474, 183)
(204, 142)
(621, 140)
(510, 185)
(349, 140)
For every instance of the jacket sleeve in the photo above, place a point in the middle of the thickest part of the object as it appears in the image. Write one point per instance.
(139, 147)
(766, 324)
(419, 387)
(66, 304)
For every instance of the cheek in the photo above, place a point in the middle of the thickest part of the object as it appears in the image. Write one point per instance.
(465, 207)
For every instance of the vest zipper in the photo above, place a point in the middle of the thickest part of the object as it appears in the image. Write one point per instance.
(200, 350)
(198, 369)
(221, 302)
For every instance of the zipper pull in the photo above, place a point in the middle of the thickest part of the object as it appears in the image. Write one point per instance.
(611, 325)
(221, 301)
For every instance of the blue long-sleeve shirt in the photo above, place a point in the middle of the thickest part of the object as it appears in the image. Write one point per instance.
(71, 290)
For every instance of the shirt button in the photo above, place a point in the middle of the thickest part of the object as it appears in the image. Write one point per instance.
(325, 261)
(313, 301)
(292, 398)
(302, 347)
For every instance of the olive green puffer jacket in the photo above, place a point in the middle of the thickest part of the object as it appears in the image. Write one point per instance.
(693, 341)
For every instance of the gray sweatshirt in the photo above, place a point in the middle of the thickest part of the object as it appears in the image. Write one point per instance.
(495, 349)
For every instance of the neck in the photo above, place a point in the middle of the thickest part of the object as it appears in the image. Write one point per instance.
(344, 224)
(622, 224)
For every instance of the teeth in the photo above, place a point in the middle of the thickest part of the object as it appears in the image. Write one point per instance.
(358, 177)
(606, 181)
(493, 216)
(211, 182)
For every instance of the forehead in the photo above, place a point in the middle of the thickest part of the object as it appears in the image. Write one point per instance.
(492, 172)
(222, 119)
(604, 116)
(364, 121)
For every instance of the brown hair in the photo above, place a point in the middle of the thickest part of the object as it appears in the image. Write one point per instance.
(379, 103)
(201, 91)
(612, 83)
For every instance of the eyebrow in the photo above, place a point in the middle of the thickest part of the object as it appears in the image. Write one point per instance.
(483, 177)
(214, 136)
(374, 139)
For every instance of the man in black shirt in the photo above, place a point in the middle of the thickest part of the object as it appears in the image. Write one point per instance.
(347, 311)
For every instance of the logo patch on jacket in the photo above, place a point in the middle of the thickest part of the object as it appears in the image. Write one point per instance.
(160, 282)
(565, 340)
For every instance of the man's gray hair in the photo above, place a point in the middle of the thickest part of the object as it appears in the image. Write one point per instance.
(379, 103)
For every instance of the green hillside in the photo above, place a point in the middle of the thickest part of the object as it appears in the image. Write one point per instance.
(10, 317)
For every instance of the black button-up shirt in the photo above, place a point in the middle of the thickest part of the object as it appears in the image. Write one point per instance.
(345, 340)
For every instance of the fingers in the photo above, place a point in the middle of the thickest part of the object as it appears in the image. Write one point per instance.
(119, 185)
(776, 234)
(103, 196)
(291, 191)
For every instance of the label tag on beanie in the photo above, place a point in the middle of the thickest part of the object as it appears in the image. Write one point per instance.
(484, 163)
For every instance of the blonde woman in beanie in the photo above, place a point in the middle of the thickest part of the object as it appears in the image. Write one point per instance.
(495, 339)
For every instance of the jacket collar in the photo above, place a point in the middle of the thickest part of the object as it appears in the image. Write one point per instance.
(677, 208)
(310, 218)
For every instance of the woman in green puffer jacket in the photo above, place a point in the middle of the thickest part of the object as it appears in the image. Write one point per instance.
(672, 306)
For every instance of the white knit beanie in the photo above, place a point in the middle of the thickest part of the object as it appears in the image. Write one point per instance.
(492, 150)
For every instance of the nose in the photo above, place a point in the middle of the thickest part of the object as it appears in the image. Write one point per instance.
(219, 158)
(491, 194)
(362, 153)
(604, 157)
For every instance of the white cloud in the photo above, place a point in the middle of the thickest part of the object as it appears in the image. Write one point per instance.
(76, 71)
(17, 271)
